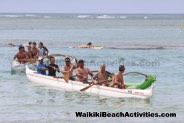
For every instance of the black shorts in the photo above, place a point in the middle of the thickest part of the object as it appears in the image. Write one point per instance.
(72, 78)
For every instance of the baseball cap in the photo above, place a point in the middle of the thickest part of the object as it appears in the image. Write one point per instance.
(121, 67)
(81, 61)
(20, 47)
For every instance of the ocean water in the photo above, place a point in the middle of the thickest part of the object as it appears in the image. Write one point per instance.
(152, 44)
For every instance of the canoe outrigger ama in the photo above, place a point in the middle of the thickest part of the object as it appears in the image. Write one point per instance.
(142, 90)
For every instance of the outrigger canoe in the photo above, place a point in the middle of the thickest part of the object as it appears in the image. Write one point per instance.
(143, 90)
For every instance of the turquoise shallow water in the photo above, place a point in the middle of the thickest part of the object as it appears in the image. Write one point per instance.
(130, 43)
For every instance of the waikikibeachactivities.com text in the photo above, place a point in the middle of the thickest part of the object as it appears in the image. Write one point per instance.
(119, 61)
(123, 114)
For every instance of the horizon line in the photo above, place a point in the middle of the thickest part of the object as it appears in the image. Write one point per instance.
(78, 13)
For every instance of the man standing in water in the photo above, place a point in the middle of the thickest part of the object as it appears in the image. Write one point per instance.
(21, 56)
(52, 67)
(102, 76)
(117, 80)
(68, 68)
(82, 73)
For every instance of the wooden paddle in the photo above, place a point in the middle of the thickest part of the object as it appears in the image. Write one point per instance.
(32, 60)
(85, 88)
(58, 77)
(65, 77)
(94, 71)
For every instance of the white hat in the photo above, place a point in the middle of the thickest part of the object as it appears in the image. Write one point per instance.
(40, 58)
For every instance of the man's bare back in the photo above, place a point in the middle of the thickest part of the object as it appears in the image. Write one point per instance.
(117, 80)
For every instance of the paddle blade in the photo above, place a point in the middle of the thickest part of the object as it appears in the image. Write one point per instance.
(66, 77)
(32, 60)
(83, 89)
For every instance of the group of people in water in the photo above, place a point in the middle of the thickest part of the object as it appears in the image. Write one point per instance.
(102, 77)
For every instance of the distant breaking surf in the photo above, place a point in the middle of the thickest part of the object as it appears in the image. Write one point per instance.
(105, 17)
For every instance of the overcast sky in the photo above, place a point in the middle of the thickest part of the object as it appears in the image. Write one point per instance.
(92, 6)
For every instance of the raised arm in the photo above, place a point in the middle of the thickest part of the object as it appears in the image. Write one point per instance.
(63, 70)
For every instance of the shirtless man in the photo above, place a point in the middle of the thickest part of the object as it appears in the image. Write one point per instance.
(117, 80)
(21, 56)
(68, 68)
(101, 76)
(27, 53)
(82, 73)
(34, 51)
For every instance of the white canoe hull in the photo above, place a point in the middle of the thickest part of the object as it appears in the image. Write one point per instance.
(16, 66)
(96, 89)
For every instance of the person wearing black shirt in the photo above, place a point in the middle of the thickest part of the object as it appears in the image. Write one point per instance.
(52, 67)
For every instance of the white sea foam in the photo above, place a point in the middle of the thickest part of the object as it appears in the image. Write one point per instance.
(11, 16)
(105, 17)
(30, 15)
(123, 17)
(46, 16)
(83, 16)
